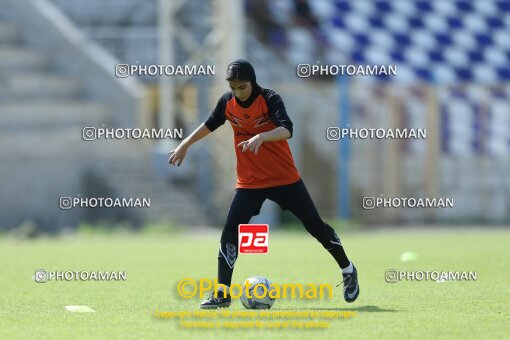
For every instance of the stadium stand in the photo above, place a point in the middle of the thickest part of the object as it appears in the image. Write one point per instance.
(455, 61)
(54, 82)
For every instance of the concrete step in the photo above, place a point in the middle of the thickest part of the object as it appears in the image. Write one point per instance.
(38, 85)
(176, 203)
(62, 146)
(43, 114)
(21, 59)
(9, 34)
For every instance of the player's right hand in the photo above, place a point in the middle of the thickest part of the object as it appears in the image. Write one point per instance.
(177, 156)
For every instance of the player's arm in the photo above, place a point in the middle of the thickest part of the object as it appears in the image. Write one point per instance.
(276, 134)
(278, 115)
(177, 155)
(253, 144)
(215, 120)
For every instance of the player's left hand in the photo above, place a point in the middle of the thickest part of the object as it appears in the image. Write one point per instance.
(253, 144)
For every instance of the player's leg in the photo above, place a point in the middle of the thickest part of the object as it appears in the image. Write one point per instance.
(296, 199)
(245, 204)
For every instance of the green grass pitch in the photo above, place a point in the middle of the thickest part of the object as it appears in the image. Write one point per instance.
(155, 263)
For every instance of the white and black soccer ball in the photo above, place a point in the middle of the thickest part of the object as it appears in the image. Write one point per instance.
(255, 286)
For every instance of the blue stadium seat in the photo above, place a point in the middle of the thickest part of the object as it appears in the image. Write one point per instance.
(472, 33)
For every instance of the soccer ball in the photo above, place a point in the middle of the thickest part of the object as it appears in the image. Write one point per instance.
(255, 286)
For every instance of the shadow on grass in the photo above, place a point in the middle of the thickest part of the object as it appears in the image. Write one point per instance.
(361, 309)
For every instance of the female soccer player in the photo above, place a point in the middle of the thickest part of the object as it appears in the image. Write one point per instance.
(265, 170)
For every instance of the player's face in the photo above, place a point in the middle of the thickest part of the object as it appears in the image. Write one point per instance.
(241, 89)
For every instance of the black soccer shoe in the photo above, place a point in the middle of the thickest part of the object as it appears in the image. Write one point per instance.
(216, 302)
(351, 287)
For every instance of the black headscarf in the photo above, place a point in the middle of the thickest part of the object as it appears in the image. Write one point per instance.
(241, 69)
